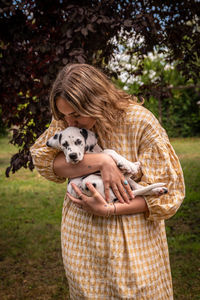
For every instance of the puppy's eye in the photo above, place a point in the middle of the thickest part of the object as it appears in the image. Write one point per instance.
(91, 148)
(65, 144)
(78, 142)
(55, 136)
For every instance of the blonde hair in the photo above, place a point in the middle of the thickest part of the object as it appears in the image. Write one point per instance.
(91, 94)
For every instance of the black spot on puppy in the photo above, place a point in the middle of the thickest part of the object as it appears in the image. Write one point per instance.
(78, 142)
(119, 165)
(60, 137)
(84, 133)
(55, 136)
(66, 145)
(86, 148)
(92, 147)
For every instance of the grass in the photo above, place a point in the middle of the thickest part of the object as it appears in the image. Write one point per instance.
(30, 213)
(30, 252)
(183, 229)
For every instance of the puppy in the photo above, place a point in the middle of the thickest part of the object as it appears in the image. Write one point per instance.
(75, 142)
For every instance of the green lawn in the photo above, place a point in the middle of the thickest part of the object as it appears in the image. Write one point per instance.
(30, 213)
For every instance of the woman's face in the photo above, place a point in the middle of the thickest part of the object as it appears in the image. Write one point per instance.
(72, 117)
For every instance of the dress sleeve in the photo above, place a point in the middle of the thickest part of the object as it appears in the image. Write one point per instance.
(44, 156)
(161, 164)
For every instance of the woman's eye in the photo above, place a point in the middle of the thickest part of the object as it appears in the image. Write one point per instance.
(61, 116)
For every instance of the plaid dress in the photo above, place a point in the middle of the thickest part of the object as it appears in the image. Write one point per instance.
(121, 257)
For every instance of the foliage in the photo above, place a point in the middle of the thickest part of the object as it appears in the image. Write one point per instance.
(168, 94)
(41, 36)
(2, 126)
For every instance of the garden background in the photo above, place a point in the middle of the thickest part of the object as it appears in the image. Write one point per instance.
(150, 49)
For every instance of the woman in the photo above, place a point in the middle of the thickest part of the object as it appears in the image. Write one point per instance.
(112, 252)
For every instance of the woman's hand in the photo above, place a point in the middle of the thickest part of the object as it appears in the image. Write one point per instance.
(98, 206)
(113, 178)
(95, 205)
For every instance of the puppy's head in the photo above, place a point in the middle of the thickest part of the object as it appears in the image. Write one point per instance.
(74, 142)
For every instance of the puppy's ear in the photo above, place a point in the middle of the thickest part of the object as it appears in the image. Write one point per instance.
(55, 141)
(59, 138)
(84, 133)
(91, 141)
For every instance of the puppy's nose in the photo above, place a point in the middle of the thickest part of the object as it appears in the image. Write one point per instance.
(73, 155)
(47, 144)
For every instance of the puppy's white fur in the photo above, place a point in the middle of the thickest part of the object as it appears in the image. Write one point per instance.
(75, 142)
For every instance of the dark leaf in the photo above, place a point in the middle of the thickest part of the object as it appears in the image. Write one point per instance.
(84, 31)
(46, 80)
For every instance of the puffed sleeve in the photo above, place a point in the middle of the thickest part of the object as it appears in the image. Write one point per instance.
(161, 164)
(44, 156)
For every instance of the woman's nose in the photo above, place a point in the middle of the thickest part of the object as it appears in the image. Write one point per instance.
(70, 121)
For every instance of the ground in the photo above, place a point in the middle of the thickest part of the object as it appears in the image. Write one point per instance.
(30, 213)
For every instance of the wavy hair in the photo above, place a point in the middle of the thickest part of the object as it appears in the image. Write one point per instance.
(91, 94)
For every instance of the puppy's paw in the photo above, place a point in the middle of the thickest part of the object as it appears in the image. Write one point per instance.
(132, 168)
(160, 191)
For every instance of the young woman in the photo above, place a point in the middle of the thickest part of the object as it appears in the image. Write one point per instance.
(112, 252)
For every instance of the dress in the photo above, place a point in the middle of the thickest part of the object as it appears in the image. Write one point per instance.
(121, 257)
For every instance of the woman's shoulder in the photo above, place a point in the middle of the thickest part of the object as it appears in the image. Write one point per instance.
(144, 123)
(138, 113)
(144, 120)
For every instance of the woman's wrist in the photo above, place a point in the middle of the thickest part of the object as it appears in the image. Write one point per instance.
(105, 160)
(138, 205)
(110, 209)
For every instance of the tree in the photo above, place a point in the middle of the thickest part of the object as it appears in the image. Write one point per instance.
(168, 94)
(41, 36)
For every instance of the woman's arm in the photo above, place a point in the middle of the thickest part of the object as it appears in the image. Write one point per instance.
(90, 164)
(110, 173)
(98, 206)
(137, 205)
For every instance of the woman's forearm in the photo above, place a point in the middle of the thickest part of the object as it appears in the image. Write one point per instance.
(137, 205)
(90, 164)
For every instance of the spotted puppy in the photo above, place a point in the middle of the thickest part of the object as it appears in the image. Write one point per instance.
(75, 142)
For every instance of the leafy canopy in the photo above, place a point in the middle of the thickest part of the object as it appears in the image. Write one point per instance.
(41, 36)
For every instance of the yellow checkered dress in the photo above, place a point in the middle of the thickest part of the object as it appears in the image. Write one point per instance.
(121, 257)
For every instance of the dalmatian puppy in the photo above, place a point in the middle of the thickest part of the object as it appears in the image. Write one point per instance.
(75, 142)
